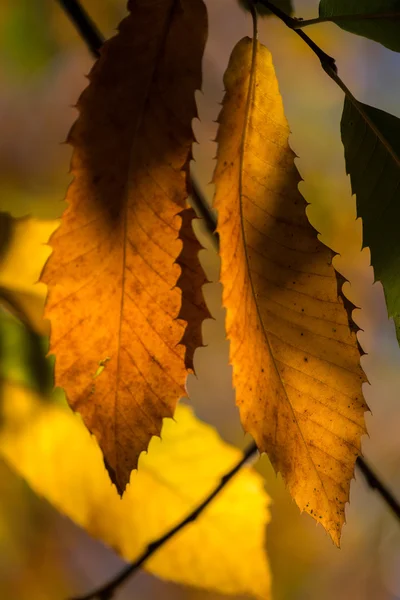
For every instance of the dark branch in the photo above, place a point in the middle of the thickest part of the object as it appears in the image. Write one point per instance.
(203, 210)
(329, 66)
(300, 23)
(12, 304)
(106, 591)
(85, 26)
(375, 484)
(327, 62)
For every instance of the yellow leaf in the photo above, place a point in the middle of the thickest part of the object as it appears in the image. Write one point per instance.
(22, 255)
(223, 550)
(295, 361)
(113, 274)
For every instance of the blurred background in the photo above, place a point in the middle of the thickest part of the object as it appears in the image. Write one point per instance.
(43, 63)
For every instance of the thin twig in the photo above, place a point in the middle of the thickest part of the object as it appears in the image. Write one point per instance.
(204, 211)
(300, 23)
(14, 306)
(376, 484)
(106, 591)
(327, 62)
(361, 109)
(84, 24)
(329, 66)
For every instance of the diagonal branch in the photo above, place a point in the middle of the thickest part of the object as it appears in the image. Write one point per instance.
(13, 305)
(327, 62)
(376, 484)
(204, 211)
(106, 591)
(84, 24)
(300, 23)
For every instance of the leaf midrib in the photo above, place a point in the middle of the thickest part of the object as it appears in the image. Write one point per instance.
(125, 194)
(250, 97)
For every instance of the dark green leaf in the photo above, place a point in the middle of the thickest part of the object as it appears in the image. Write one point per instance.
(382, 24)
(371, 139)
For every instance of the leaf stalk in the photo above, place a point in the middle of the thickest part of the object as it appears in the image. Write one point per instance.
(376, 484)
(327, 62)
(84, 24)
(300, 23)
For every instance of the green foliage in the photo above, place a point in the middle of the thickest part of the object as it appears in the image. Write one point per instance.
(26, 40)
(371, 139)
(23, 356)
(385, 30)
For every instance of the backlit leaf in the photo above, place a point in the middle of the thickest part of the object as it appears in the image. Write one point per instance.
(295, 361)
(223, 550)
(378, 20)
(371, 139)
(114, 295)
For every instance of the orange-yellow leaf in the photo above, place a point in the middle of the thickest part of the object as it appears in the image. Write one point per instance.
(224, 549)
(113, 299)
(295, 360)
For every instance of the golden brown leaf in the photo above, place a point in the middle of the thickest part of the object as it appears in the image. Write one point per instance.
(113, 298)
(295, 361)
(223, 550)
